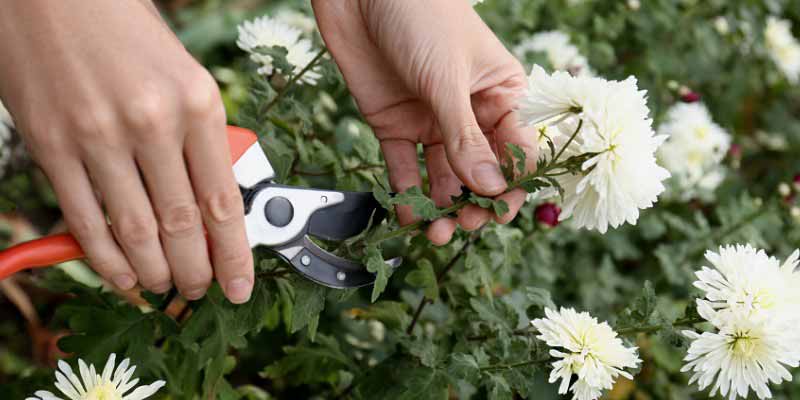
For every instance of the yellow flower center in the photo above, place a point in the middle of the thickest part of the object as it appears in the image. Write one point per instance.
(701, 132)
(103, 391)
(743, 344)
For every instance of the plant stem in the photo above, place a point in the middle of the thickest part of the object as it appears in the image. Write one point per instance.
(571, 138)
(515, 365)
(294, 80)
(657, 327)
(439, 278)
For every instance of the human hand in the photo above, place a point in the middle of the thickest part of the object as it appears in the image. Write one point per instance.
(432, 72)
(109, 102)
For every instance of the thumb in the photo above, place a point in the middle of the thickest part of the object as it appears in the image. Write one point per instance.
(467, 148)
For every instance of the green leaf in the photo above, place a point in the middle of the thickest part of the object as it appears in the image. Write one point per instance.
(309, 301)
(499, 207)
(464, 366)
(310, 363)
(281, 159)
(392, 313)
(423, 277)
(421, 205)
(518, 155)
(375, 264)
(540, 297)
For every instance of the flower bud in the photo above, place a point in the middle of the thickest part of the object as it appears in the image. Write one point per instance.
(795, 212)
(690, 97)
(796, 182)
(784, 189)
(547, 213)
(735, 151)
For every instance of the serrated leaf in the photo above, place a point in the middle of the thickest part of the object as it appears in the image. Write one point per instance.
(421, 205)
(310, 363)
(309, 301)
(374, 262)
(464, 366)
(425, 278)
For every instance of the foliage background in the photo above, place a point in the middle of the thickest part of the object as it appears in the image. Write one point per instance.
(298, 340)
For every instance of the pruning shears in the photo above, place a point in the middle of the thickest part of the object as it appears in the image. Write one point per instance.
(282, 218)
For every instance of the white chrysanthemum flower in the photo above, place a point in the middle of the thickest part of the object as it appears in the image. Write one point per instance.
(693, 151)
(561, 54)
(783, 47)
(746, 281)
(585, 348)
(266, 32)
(111, 384)
(746, 353)
(622, 177)
(296, 19)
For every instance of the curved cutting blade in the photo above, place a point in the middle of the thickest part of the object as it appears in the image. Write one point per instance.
(346, 219)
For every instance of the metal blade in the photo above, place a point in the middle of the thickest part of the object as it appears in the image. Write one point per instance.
(346, 219)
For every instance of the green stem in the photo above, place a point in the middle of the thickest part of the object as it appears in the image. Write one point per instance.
(686, 321)
(571, 138)
(294, 80)
(497, 367)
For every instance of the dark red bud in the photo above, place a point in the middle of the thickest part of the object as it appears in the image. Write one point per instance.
(547, 214)
(690, 97)
(796, 178)
(735, 151)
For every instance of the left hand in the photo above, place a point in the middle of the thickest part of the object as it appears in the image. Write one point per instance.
(431, 72)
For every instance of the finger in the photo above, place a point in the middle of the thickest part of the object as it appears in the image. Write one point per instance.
(494, 110)
(401, 162)
(221, 206)
(179, 223)
(444, 183)
(515, 199)
(473, 217)
(86, 221)
(132, 220)
(468, 151)
(441, 231)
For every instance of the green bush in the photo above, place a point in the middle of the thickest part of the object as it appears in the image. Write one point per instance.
(454, 321)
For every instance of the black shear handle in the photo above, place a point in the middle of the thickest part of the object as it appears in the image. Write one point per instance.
(329, 270)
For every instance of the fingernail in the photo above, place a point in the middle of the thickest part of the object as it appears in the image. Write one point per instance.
(488, 176)
(194, 294)
(124, 282)
(238, 290)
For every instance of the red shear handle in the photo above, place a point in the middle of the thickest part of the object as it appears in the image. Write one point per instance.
(56, 249)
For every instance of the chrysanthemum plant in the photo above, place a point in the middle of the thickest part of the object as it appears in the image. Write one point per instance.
(524, 310)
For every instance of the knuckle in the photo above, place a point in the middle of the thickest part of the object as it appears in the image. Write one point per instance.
(135, 230)
(201, 96)
(84, 229)
(180, 220)
(468, 139)
(235, 259)
(148, 110)
(223, 206)
(95, 122)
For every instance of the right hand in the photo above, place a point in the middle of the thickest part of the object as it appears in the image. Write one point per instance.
(109, 102)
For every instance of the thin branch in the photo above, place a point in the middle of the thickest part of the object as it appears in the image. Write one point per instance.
(439, 278)
(294, 80)
(497, 367)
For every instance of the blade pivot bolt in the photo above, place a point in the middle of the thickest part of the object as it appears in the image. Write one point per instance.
(279, 211)
(305, 260)
(341, 275)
